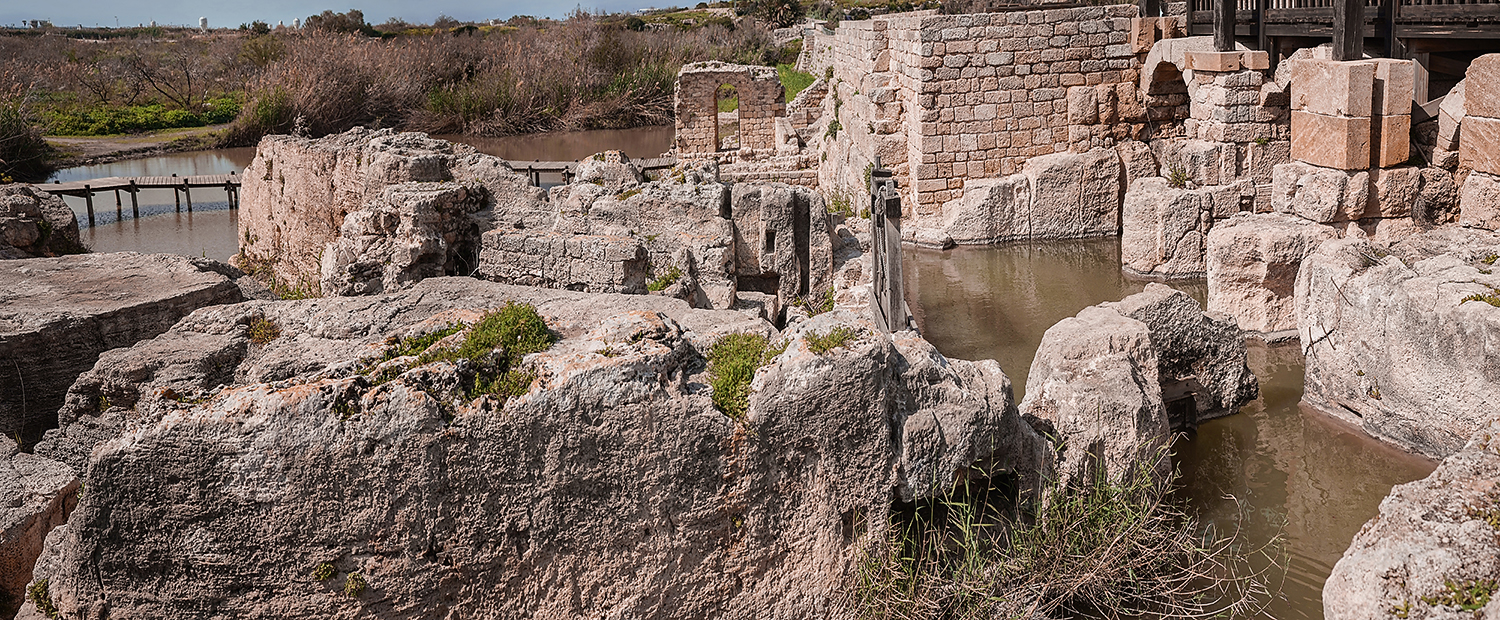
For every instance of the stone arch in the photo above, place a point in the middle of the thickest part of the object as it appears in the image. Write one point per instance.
(760, 102)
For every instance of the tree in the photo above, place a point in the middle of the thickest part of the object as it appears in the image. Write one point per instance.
(780, 13)
(328, 21)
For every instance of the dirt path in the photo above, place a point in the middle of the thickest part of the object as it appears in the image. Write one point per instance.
(79, 151)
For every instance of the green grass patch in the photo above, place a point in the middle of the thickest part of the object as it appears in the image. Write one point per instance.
(1490, 260)
(793, 81)
(111, 120)
(263, 330)
(815, 305)
(1469, 595)
(837, 337)
(732, 362)
(355, 584)
(495, 346)
(416, 345)
(40, 594)
(665, 280)
(1492, 298)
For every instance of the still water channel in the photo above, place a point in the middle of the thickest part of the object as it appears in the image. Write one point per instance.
(1276, 467)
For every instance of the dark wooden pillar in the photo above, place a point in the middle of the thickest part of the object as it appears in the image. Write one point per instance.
(1224, 25)
(1393, 46)
(1348, 29)
(1262, 42)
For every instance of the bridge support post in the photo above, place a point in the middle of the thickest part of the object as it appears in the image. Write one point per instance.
(135, 207)
(119, 208)
(1224, 25)
(187, 190)
(1348, 29)
(88, 201)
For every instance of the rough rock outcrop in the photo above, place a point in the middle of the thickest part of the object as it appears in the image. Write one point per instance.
(298, 192)
(1400, 340)
(34, 223)
(613, 477)
(37, 495)
(1439, 531)
(1479, 201)
(1057, 196)
(1098, 381)
(1164, 230)
(1252, 269)
(58, 314)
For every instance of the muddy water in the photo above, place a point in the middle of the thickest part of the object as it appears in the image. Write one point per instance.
(1275, 468)
(210, 229)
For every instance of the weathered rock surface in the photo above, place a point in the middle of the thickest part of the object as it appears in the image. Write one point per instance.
(36, 495)
(1320, 194)
(1479, 201)
(34, 223)
(1394, 343)
(1057, 196)
(58, 314)
(1252, 268)
(1429, 533)
(1098, 381)
(1199, 355)
(613, 477)
(1164, 230)
(297, 194)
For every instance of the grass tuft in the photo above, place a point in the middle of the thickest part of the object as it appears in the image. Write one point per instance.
(838, 337)
(1492, 298)
(40, 593)
(815, 305)
(263, 330)
(665, 280)
(732, 362)
(1470, 595)
(355, 584)
(323, 572)
(1177, 177)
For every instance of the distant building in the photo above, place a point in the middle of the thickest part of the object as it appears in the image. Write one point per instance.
(203, 23)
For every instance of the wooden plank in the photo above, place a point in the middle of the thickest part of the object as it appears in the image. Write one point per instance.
(1348, 22)
(1224, 25)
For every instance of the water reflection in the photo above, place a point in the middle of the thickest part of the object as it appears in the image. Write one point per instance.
(1277, 467)
(995, 302)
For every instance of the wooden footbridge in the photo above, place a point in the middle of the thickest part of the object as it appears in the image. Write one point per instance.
(182, 187)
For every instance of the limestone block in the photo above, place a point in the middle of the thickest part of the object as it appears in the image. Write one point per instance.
(1143, 34)
(1137, 160)
(39, 493)
(1083, 105)
(1450, 116)
(1256, 59)
(1252, 263)
(1333, 88)
(1332, 141)
(1394, 83)
(1260, 159)
(1480, 146)
(1390, 138)
(1163, 229)
(1479, 202)
(1320, 194)
(990, 211)
(1274, 95)
(1483, 86)
(1213, 61)
(1074, 194)
(1395, 191)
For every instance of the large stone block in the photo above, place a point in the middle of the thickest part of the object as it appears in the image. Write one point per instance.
(1395, 191)
(1252, 267)
(990, 211)
(1320, 194)
(1479, 202)
(1164, 229)
(1479, 148)
(1483, 86)
(1390, 140)
(1219, 62)
(1333, 88)
(1333, 141)
(1074, 195)
(58, 314)
(39, 493)
(1394, 82)
(1450, 116)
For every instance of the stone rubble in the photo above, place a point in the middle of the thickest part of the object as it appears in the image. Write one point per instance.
(34, 223)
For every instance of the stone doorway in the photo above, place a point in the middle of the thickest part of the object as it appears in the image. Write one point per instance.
(727, 129)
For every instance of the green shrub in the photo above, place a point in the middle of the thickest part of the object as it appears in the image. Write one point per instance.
(40, 593)
(835, 338)
(323, 572)
(841, 205)
(355, 584)
(1177, 177)
(1469, 595)
(416, 345)
(24, 155)
(110, 120)
(263, 330)
(665, 280)
(732, 362)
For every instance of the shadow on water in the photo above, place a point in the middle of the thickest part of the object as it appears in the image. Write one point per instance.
(1276, 467)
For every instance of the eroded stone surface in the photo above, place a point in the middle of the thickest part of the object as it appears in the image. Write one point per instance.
(1252, 268)
(36, 495)
(34, 223)
(614, 474)
(1393, 346)
(1164, 230)
(1437, 531)
(1479, 201)
(58, 314)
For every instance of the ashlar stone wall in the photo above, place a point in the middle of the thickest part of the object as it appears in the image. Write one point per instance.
(760, 102)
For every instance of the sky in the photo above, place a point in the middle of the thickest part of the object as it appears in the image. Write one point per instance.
(232, 14)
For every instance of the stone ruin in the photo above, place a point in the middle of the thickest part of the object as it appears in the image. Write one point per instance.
(760, 103)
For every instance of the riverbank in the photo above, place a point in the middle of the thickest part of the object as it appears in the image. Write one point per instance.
(74, 151)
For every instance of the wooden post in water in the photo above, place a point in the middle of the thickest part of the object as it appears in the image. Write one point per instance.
(889, 307)
(119, 208)
(177, 196)
(1348, 29)
(135, 207)
(1224, 25)
(88, 200)
(187, 190)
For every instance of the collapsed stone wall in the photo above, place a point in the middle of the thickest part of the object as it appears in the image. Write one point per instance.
(298, 192)
(612, 475)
